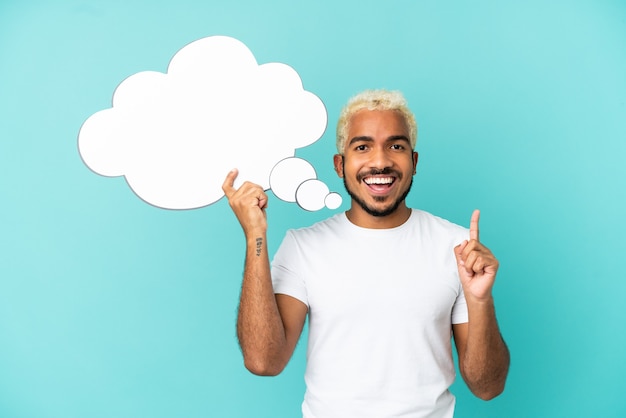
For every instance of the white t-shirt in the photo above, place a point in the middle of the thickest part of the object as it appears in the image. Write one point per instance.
(381, 304)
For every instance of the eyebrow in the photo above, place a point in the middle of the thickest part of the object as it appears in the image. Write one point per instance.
(370, 139)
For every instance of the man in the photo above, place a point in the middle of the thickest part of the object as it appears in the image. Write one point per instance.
(385, 286)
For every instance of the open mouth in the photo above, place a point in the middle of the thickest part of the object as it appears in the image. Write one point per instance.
(379, 184)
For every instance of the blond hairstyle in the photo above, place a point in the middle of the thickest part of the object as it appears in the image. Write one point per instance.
(375, 100)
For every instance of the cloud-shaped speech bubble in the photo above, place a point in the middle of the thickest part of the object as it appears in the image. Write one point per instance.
(175, 136)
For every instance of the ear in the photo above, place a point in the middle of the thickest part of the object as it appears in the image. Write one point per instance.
(338, 163)
(415, 155)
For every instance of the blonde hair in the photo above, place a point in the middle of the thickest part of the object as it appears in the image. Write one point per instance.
(374, 100)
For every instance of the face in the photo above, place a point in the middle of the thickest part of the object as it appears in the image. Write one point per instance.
(378, 163)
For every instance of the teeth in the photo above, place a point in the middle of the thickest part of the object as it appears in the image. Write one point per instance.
(379, 180)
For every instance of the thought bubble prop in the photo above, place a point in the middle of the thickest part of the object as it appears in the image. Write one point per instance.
(175, 136)
(295, 180)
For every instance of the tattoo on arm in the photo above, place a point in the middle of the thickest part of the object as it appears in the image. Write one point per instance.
(259, 246)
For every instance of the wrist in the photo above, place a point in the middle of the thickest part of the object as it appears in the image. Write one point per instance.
(486, 301)
(253, 233)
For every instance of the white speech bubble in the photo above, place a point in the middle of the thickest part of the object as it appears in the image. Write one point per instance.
(311, 194)
(175, 136)
(294, 180)
(287, 176)
(333, 200)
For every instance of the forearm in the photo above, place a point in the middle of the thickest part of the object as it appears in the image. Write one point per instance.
(486, 361)
(259, 325)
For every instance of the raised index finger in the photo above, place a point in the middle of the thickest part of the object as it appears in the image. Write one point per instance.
(228, 187)
(474, 225)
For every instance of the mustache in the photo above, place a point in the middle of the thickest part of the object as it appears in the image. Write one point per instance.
(378, 172)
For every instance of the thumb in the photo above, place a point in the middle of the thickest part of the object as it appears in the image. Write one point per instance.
(229, 181)
(458, 252)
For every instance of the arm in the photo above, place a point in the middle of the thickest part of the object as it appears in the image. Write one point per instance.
(268, 325)
(483, 354)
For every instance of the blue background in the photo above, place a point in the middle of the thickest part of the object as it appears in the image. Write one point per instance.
(110, 307)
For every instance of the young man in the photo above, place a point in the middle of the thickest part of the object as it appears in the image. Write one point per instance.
(385, 286)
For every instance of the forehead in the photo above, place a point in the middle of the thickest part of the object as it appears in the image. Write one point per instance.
(376, 123)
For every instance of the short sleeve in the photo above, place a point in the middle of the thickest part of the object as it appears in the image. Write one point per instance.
(459, 310)
(286, 264)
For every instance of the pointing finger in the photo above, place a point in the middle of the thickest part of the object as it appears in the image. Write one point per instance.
(474, 225)
(229, 181)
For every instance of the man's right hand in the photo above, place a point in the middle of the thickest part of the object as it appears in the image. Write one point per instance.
(248, 203)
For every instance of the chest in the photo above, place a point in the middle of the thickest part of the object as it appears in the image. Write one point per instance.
(378, 283)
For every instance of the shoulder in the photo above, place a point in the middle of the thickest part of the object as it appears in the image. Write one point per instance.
(312, 239)
(435, 225)
(332, 225)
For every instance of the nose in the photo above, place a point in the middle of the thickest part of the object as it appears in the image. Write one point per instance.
(380, 158)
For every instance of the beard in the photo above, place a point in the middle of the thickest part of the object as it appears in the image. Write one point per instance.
(378, 212)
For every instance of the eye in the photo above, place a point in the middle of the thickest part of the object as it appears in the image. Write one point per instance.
(397, 147)
(360, 147)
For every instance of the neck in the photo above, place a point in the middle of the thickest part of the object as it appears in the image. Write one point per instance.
(361, 218)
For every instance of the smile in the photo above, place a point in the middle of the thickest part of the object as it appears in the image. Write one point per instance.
(379, 185)
(378, 180)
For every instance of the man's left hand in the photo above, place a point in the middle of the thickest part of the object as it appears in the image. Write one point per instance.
(477, 265)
